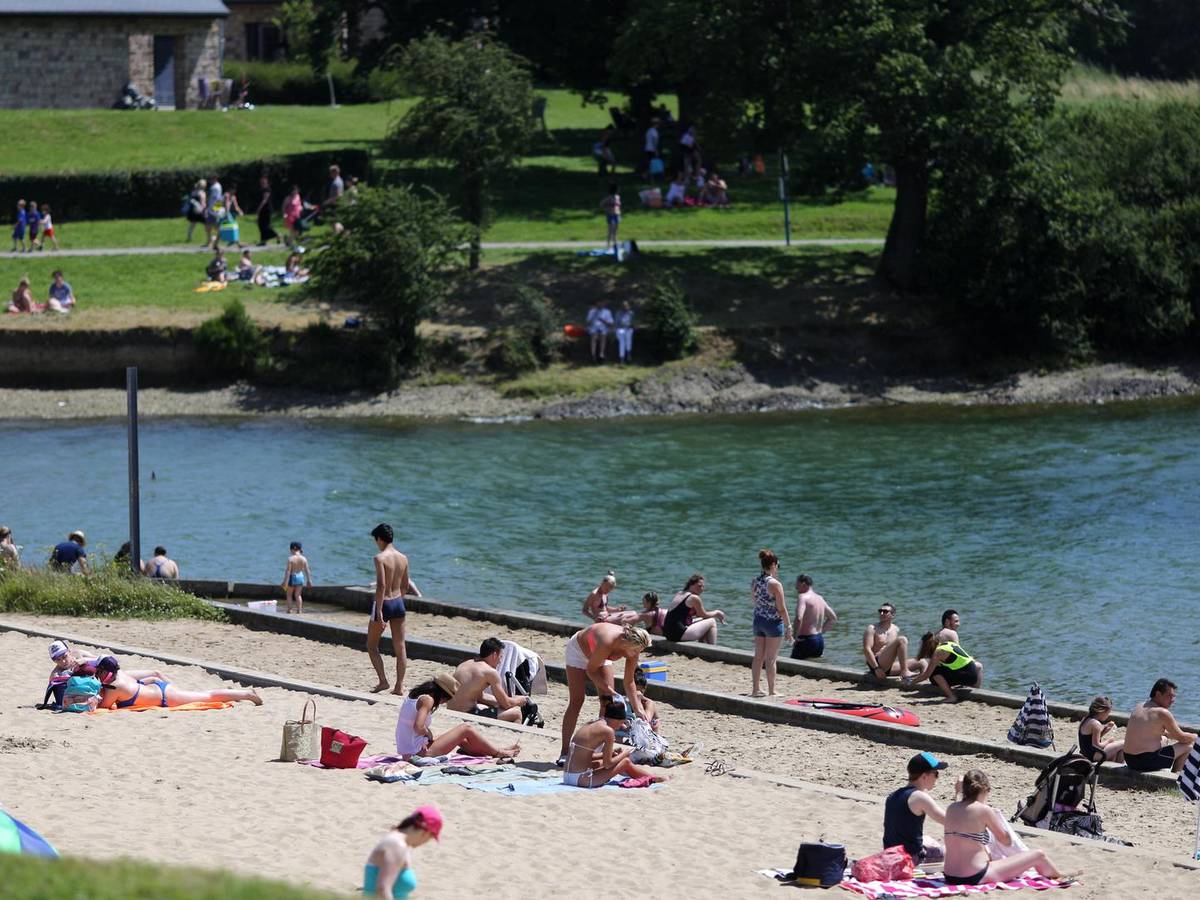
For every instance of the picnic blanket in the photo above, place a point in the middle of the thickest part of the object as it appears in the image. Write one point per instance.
(183, 707)
(935, 886)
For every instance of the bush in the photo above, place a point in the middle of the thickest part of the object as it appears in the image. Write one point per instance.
(324, 358)
(529, 336)
(109, 591)
(155, 193)
(233, 343)
(295, 83)
(668, 324)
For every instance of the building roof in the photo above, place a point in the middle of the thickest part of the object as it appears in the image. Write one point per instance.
(189, 8)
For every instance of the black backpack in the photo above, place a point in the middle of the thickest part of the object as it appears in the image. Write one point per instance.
(820, 864)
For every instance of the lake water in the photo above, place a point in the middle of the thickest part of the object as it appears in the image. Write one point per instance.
(1067, 538)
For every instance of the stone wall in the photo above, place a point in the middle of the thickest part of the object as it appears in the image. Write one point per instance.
(81, 62)
(241, 15)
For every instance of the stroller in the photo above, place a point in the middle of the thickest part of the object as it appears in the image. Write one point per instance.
(1058, 793)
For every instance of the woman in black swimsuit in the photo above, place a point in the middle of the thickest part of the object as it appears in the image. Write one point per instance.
(687, 619)
(1092, 730)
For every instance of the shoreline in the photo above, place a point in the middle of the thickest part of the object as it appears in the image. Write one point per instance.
(683, 390)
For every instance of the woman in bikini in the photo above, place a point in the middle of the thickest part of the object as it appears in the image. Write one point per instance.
(123, 691)
(591, 760)
(589, 656)
(389, 871)
(1092, 730)
(652, 615)
(415, 738)
(595, 607)
(687, 619)
(968, 823)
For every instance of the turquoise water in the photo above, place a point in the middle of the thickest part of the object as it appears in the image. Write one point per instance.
(1068, 539)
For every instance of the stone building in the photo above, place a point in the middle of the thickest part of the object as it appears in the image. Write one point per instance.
(251, 32)
(66, 54)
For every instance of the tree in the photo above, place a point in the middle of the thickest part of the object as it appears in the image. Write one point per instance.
(397, 257)
(923, 80)
(474, 111)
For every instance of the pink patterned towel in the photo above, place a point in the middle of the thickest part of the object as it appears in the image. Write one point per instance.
(937, 887)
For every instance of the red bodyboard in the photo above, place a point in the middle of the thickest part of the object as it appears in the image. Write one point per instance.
(894, 714)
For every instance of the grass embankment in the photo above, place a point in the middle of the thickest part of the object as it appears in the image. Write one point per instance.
(30, 878)
(1088, 84)
(107, 592)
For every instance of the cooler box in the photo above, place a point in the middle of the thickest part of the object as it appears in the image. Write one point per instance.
(654, 671)
(228, 232)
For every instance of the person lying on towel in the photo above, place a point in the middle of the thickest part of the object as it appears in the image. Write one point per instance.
(123, 691)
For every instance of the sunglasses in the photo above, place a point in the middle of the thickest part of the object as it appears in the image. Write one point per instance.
(886, 609)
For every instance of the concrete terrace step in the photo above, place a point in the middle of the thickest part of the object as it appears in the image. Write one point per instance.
(360, 598)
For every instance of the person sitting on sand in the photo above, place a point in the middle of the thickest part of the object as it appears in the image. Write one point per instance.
(1092, 730)
(652, 615)
(885, 649)
(905, 810)
(591, 760)
(949, 667)
(161, 565)
(687, 619)
(392, 585)
(67, 553)
(771, 625)
(589, 656)
(123, 691)
(415, 738)
(949, 630)
(968, 823)
(389, 871)
(296, 574)
(595, 607)
(813, 618)
(1150, 724)
(481, 693)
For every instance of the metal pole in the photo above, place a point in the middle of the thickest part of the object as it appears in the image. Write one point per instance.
(783, 195)
(135, 525)
(332, 97)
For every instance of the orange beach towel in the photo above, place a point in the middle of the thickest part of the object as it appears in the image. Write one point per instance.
(204, 704)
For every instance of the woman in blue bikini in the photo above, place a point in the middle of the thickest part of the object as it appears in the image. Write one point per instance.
(389, 871)
(121, 691)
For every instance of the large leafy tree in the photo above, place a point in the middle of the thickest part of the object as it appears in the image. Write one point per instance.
(929, 83)
(474, 114)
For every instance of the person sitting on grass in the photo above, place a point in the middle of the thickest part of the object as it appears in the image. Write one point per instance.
(481, 693)
(216, 269)
(389, 871)
(414, 737)
(61, 298)
(247, 271)
(591, 759)
(969, 822)
(161, 565)
(22, 298)
(949, 667)
(677, 192)
(123, 691)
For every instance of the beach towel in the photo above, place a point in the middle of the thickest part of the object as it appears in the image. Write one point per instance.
(937, 887)
(1032, 726)
(183, 707)
(1189, 778)
(522, 670)
(364, 762)
(384, 759)
(533, 784)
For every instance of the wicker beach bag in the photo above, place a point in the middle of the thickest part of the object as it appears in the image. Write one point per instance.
(300, 738)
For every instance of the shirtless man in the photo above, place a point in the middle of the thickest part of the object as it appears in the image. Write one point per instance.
(813, 618)
(161, 566)
(391, 587)
(950, 624)
(1149, 723)
(480, 691)
(885, 649)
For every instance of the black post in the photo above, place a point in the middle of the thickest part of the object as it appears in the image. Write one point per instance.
(135, 524)
(783, 195)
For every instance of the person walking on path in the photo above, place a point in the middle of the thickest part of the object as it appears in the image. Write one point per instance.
(771, 624)
(392, 585)
(20, 227)
(293, 208)
(213, 210)
(650, 145)
(47, 224)
(34, 219)
(265, 231)
(197, 206)
(813, 618)
(611, 204)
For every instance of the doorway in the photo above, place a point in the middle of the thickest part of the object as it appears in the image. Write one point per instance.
(164, 70)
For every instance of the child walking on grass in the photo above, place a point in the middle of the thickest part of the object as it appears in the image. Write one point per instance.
(295, 577)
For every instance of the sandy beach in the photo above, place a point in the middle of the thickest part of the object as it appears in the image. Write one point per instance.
(205, 784)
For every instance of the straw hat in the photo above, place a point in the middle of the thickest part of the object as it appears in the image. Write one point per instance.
(446, 682)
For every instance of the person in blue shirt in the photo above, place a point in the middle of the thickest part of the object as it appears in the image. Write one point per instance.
(19, 228)
(62, 298)
(65, 555)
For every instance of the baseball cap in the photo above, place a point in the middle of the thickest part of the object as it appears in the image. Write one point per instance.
(431, 820)
(59, 649)
(925, 762)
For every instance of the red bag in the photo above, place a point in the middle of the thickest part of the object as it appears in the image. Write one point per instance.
(893, 864)
(340, 750)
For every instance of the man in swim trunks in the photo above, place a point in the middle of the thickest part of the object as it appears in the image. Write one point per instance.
(885, 649)
(480, 691)
(1149, 724)
(391, 587)
(813, 618)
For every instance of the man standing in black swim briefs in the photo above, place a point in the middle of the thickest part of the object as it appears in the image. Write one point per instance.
(392, 585)
(1149, 723)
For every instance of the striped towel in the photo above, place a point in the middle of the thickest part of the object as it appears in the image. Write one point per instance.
(937, 887)
(1032, 726)
(1189, 778)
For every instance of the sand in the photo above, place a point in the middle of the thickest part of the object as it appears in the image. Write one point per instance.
(201, 788)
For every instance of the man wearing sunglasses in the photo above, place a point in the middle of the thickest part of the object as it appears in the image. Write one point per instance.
(885, 648)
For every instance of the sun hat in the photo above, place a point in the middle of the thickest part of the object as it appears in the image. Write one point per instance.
(77, 534)
(59, 649)
(925, 762)
(446, 682)
(431, 820)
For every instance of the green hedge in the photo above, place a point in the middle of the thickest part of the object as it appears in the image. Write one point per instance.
(35, 878)
(107, 592)
(158, 193)
(295, 84)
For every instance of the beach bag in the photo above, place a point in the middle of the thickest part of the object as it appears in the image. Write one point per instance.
(300, 737)
(79, 687)
(820, 864)
(1032, 726)
(340, 750)
(893, 864)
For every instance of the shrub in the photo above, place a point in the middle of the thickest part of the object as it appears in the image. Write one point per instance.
(668, 324)
(529, 336)
(325, 358)
(232, 343)
(109, 591)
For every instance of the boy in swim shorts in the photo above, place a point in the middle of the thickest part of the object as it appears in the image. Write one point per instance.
(295, 576)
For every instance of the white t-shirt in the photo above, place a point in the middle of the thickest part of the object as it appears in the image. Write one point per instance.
(651, 139)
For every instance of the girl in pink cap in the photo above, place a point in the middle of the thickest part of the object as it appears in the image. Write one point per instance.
(389, 872)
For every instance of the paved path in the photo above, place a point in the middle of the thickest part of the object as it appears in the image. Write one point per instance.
(488, 245)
